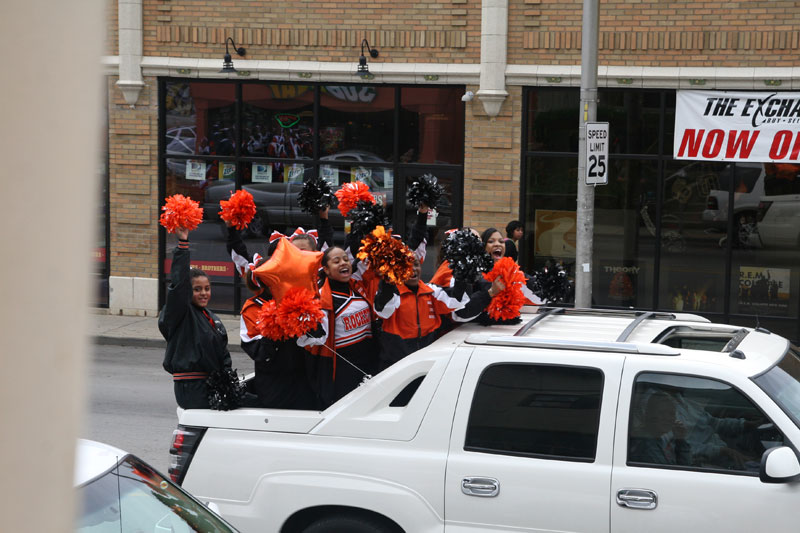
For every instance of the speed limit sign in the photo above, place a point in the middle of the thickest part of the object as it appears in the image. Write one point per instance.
(596, 153)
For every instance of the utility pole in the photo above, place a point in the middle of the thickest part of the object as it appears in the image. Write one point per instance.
(588, 113)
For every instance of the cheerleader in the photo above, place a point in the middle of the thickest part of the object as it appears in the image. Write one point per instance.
(197, 343)
(344, 343)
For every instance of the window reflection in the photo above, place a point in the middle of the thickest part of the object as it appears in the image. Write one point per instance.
(200, 118)
(431, 118)
(357, 118)
(277, 121)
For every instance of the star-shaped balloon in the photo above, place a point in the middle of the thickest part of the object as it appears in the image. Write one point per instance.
(289, 267)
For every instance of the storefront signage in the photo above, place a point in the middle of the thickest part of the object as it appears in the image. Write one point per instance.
(293, 173)
(261, 173)
(195, 170)
(764, 290)
(554, 233)
(350, 93)
(737, 126)
(596, 153)
(212, 268)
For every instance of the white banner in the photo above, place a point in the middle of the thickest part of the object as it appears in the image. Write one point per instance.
(737, 126)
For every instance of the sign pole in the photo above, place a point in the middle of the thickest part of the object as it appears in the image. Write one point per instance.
(588, 113)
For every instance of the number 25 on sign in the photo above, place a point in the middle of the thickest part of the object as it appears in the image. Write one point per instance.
(596, 153)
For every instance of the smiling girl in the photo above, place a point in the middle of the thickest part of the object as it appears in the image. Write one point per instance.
(197, 343)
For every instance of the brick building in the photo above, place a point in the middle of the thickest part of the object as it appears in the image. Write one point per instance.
(296, 108)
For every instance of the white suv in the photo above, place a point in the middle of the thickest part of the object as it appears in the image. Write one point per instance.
(574, 420)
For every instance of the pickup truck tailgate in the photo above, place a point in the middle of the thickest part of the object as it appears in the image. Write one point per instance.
(277, 420)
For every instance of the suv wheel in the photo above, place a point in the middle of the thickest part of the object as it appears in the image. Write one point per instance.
(348, 524)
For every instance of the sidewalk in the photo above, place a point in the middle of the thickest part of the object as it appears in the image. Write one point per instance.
(143, 331)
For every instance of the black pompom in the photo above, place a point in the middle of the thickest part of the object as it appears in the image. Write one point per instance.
(365, 217)
(552, 284)
(467, 255)
(426, 190)
(225, 390)
(315, 196)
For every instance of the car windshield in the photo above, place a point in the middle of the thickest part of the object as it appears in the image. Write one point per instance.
(782, 384)
(136, 498)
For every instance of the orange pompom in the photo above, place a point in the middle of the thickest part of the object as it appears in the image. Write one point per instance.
(180, 212)
(299, 312)
(388, 257)
(507, 303)
(239, 210)
(268, 323)
(350, 194)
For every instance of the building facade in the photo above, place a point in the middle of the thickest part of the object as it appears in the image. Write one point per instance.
(484, 95)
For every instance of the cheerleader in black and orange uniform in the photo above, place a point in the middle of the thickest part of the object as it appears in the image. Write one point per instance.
(281, 376)
(346, 330)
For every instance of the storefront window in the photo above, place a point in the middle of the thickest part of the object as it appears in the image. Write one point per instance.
(200, 118)
(429, 120)
(635, 115)
(355, 140)
(552, 121)
(278, 120)
(765, 277)
(624, 235)
(357, 119)
(714, 238)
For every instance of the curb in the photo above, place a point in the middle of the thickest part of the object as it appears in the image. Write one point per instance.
(107, 340)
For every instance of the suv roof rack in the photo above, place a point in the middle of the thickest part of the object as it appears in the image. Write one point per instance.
(561, 344)
(638, 317)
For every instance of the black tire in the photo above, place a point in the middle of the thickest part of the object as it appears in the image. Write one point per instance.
(348, 524)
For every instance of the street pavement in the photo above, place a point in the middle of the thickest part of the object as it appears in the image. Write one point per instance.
(142, 331)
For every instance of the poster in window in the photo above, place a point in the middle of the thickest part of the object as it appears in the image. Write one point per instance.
(693, 291)
(293, 173)
(329, 174)
(261, 173)
(554, 233)
(764, 290)
(619, 282)
(227, 171)
(364, 175)
(195, 170)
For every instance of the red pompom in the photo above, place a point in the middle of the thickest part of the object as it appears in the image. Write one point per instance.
(239, 210)
(507, 303)
(299, 312)
(181, 212)
(350, 194)
(388, 257)
(268, 323)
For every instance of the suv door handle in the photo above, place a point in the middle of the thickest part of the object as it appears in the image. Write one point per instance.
(486, 487)
(637, 498)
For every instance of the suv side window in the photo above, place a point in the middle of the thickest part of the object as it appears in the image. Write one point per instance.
(550, 412)
(696, 423)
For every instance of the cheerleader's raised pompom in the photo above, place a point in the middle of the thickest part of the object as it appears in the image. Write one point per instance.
(426, 190)
(365, 217)
(239, 210)
(180, 211)
(467, 255)
(389, 257)
(315, 196)
(350, 194)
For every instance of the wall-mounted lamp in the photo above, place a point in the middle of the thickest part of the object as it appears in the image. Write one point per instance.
(363, 69)
(468, 96)
(227, 63)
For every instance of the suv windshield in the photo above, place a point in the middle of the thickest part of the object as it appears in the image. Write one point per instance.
(134, 497)
(782, 384)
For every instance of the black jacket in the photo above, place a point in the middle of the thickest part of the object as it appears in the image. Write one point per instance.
(193, 344)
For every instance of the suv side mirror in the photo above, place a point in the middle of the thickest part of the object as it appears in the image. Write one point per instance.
(779, 465)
